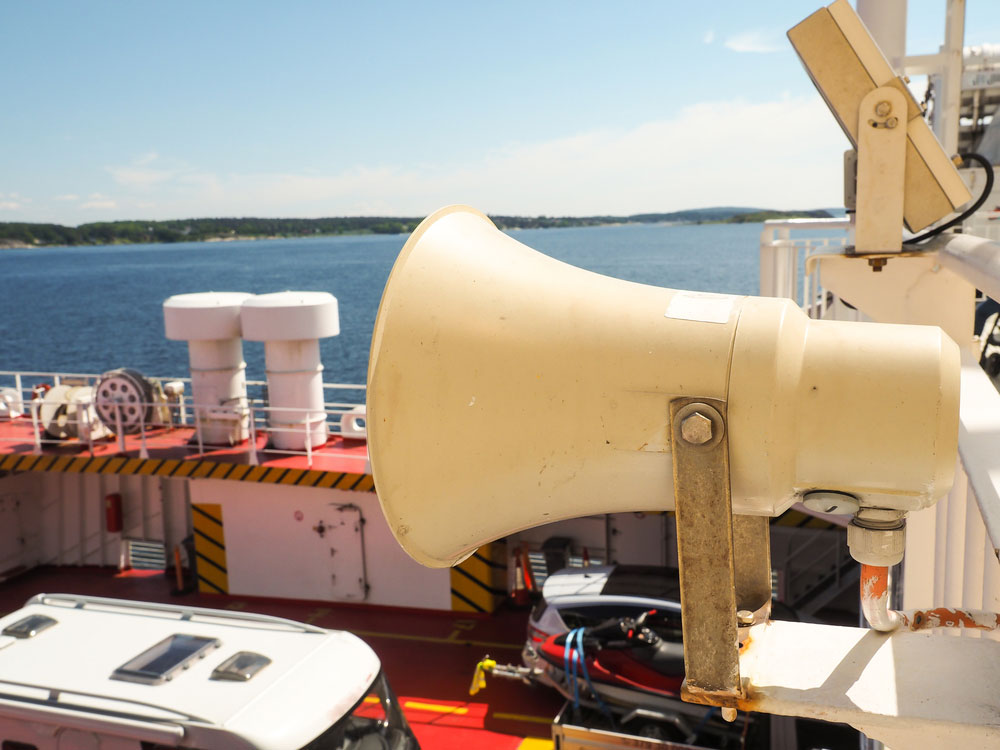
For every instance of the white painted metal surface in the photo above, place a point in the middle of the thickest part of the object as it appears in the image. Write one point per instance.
(52, 684)
(273, 548)
(886, 20)
(290, 324)
(210, 323)
(909, 690)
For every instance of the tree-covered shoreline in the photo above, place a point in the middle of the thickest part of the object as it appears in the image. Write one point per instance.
(23, 234)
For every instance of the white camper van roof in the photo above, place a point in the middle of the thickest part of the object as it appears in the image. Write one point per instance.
(114, 667)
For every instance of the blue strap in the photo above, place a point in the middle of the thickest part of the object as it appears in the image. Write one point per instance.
(569, 667)
(586, 675)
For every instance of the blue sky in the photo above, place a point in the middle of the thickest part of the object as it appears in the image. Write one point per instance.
(119, 110)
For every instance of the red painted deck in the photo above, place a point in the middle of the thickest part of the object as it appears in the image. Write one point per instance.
(180, 443)
(429, 657)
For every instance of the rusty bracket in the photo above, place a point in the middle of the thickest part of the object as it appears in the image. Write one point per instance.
(752, 567)
(705, 551)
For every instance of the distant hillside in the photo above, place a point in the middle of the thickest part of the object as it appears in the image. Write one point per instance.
(221, 229)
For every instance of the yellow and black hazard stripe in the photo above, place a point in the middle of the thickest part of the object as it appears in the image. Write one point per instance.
(192, 469)
(210, 548)
(479, 583)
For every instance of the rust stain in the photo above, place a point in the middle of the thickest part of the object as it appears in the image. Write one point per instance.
(745, 645)
(943, 617)
(874, 581)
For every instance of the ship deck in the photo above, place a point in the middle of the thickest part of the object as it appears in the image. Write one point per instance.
(429, 657)
(176, 448)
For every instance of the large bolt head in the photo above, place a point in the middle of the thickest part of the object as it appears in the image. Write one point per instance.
(696, 429)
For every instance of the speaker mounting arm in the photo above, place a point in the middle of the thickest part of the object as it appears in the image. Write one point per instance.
(724, 587)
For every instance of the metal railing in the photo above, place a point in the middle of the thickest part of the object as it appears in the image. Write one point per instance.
(78, 418)
(784, 254)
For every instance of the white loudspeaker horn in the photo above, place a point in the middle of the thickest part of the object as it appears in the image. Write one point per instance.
(507, 390)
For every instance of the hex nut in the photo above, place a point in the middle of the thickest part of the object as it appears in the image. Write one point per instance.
(696, 429)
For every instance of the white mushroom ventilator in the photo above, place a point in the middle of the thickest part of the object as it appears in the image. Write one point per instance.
(210, 323)
(290, 324)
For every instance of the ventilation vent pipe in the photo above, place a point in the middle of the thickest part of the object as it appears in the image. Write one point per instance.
(210, 323)
(290, 324)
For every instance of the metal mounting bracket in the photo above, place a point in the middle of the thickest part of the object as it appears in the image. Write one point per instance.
(724, 561)
(882, 119)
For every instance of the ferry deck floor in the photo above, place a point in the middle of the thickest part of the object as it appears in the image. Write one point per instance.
(429, 657)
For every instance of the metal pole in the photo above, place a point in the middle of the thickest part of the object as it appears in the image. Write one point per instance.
(950, 101)
(34, 425)
(197, 429)
(253, 437)
(308, 425)
(88, 427)
(143, 452)
(118, 427)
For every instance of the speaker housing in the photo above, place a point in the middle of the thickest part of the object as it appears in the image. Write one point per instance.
(507, 389)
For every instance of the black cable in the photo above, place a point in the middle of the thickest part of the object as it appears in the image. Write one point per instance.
(987, 189)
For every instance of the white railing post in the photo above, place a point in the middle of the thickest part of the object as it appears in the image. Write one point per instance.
(143, 452)
(85, 421)
(253, 437)
(197, 429)
(767, 263)
(309, 453)
(118, 427)
(789, 264)
(34, 425)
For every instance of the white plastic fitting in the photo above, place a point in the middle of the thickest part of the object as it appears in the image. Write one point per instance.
(210, 323)
(877, 536)
(290, 324)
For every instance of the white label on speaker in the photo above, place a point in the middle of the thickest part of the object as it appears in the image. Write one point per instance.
(700, 306)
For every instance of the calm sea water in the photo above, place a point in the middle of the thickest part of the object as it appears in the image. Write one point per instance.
(92, 309)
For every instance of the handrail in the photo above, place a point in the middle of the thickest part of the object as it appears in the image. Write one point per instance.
(251, 411)
(78, 601)
(80, 717)
(975, 259)
(55, 695)
(97, 376)
(830, 223)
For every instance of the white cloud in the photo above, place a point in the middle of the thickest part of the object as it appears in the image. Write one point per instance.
(709, 36)
(714, 153)
(755, 41)
(10, 206)
(99, 201)
(67, 197)
(781, 154)
(147, 158)
(142, 175)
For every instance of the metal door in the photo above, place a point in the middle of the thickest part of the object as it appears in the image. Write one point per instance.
(341, 530)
